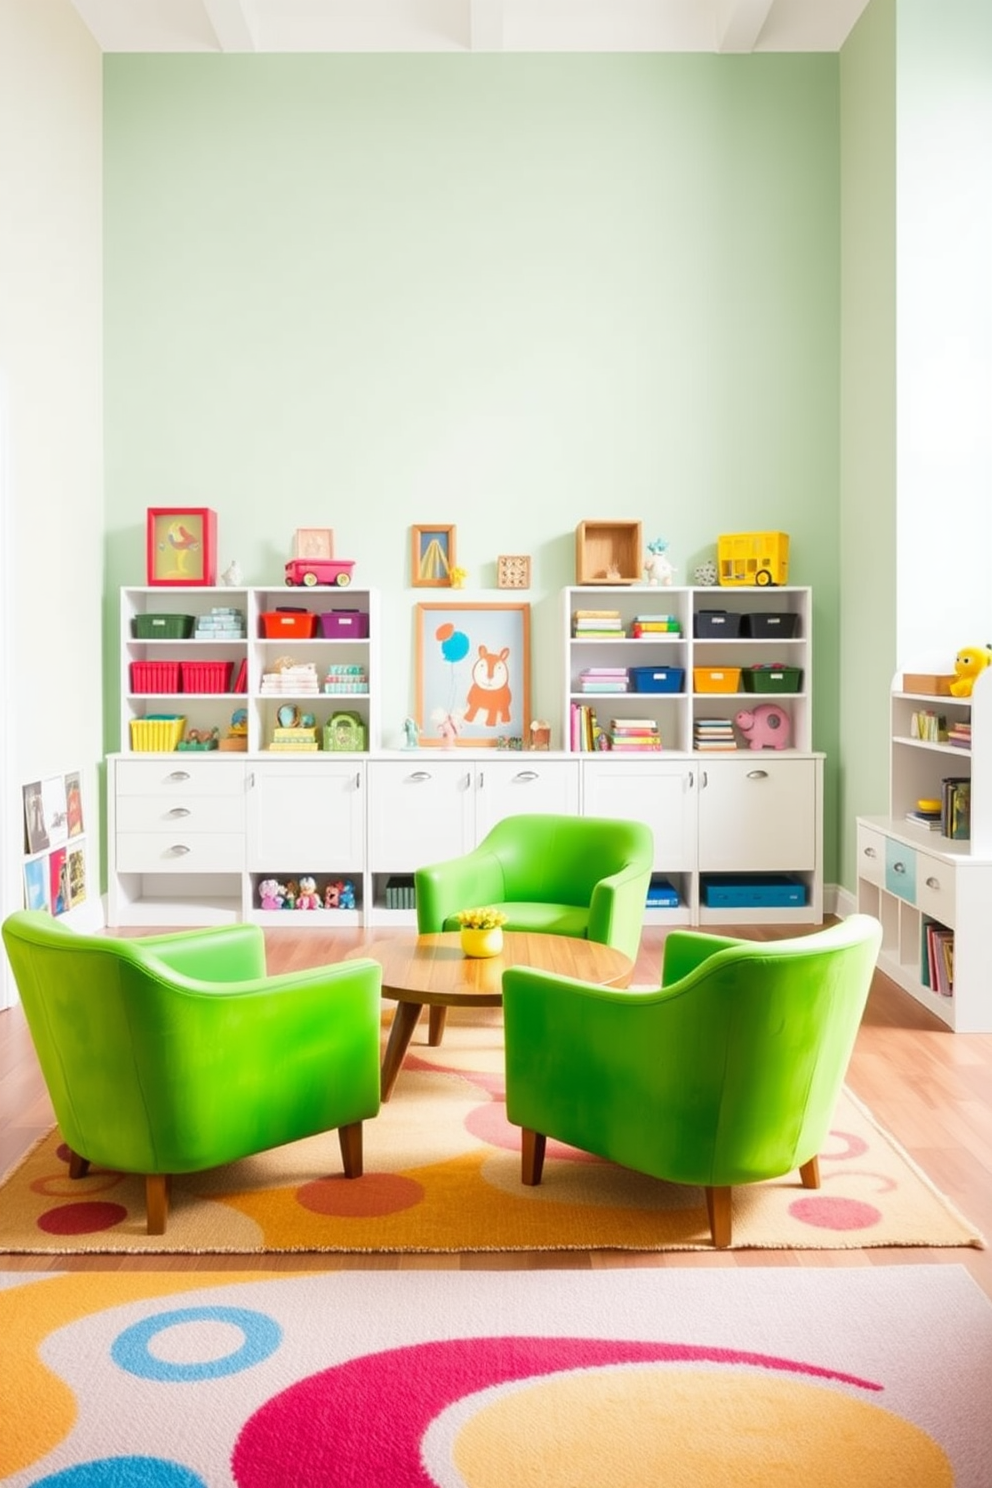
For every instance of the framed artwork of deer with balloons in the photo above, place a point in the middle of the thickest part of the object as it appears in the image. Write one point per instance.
(182, 545)
(473, 675)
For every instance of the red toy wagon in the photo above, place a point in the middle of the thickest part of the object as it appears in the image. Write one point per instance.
(311, 571)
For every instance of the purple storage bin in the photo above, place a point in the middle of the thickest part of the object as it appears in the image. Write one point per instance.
(345, 625)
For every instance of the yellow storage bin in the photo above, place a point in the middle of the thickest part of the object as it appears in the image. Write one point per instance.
(716, 679)
(157, 735)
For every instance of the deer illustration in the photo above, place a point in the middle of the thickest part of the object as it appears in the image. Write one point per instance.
(490, 689)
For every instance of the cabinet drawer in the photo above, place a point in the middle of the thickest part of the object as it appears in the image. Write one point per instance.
(900, 870)
(871, 855)
(192, 778)
(178, 852)
(183, 814)
(935, 888)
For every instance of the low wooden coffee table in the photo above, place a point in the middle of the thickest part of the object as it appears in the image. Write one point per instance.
(433, 971)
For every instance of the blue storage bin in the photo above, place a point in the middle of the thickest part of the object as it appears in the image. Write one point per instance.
(752, 891)
(656, 679)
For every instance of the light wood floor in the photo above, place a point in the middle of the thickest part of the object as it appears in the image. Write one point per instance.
(930, 1087)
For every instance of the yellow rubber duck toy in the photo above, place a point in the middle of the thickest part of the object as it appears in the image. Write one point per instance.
(969, 661)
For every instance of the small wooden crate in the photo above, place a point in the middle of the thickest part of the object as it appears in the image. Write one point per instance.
(608, 553)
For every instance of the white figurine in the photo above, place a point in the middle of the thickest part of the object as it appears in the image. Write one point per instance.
(232, 575)
(658, 568)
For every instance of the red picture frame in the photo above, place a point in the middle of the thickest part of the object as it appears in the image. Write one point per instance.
(181, 546)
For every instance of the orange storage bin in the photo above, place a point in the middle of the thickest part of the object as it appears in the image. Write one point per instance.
(291, 625)
(716, 679)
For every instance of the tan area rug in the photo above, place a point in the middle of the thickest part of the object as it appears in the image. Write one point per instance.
(442, 1173)
(756, 1377)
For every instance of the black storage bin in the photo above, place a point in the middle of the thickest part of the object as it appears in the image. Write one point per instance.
(772, 625)
(716, 625)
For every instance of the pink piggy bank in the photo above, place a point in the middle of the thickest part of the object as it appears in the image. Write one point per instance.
(767, 726)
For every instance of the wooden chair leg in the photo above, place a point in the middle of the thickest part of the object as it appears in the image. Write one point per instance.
(157, 1186)
(350, 1138)
(78, 1166)
(810, 1173)
(532, 1148)
(718, 1209)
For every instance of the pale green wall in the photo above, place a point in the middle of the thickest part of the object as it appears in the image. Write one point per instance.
(507, 292)
(868, 420)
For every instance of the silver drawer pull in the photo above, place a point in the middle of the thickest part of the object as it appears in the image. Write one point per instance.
(178, 811)
(419, 776)
(179, 849)
(526, 775)
(898, 867)
(178, 775)
(871, 852)
(933, 883)
(757, 774)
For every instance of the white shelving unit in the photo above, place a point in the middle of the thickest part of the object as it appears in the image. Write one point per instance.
(715, 814)
(910, 876)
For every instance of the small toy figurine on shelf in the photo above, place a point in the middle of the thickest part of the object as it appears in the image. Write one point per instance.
(291, 892)
(332, 894)
(658, 568)
(307, 897)
(969, 661)
(232, 575)
(411, 733)
(270, 894)
(346, 895)
(448, 726)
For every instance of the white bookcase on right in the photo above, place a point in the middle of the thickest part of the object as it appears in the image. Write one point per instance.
(924, 886)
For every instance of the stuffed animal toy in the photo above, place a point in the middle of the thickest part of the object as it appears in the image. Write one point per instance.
(270, 894)
(969, 661)
(308, 897)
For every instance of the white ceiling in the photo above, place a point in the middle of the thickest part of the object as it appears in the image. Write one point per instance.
(470, 25)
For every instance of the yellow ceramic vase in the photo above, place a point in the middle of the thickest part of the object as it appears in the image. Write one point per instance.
(482, 942)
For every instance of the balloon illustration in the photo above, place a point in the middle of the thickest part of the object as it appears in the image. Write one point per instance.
(454, 643)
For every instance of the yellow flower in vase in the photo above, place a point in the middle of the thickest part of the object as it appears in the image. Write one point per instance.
(481, 931)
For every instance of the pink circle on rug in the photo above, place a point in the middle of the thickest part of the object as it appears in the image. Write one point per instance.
(824, 1213)
(852, 1146)
(81, 1219)
(368, 1197)
(489, 1124)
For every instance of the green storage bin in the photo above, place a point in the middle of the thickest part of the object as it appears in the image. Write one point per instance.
(163, 627)
(772, 679)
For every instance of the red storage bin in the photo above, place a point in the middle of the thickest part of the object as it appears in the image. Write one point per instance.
(205, 676)
(155, 676)
(290, 625)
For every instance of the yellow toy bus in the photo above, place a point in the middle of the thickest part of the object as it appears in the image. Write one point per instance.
(753, 558)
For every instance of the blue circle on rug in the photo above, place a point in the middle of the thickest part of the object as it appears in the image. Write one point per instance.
(124, 1472)
(262, 1336)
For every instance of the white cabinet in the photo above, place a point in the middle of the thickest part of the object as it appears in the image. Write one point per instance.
(307, 817)
(928, 889)
(522, 784)
(661, 792)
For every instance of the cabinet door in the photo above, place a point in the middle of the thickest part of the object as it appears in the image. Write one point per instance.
(757, 814)
(522, 786)
(306, 816)
(659, 793)
(421, 811)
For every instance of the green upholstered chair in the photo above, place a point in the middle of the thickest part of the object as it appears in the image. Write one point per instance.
(729, 1073)
(563, 875)
(175, 1053)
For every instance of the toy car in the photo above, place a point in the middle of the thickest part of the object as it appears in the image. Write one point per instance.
(311, 571)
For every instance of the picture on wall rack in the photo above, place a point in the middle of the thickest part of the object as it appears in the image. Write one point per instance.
(56, 811)
(58, 880)
(36, 884)
(77, 876)
(35, 835)
(473, 674)
(74, 803)
(432, 557)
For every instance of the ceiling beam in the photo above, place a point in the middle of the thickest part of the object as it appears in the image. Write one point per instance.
(739, 23)
(485, 25)
(231, 25)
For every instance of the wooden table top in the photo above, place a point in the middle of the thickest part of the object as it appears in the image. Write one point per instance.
(433, 970)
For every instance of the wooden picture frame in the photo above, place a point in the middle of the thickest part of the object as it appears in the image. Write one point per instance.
(473, 674)
(181, 546)
(432, 556)
(314, 542)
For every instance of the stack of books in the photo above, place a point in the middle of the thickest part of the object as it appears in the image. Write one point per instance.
(713, 734)
(955, 807)
(586, 732)
(597, 624)
(291, 680)
(634, 735)
(603, 679)
(938, 958)
(922, 816)
(649, 625)
(959, 734)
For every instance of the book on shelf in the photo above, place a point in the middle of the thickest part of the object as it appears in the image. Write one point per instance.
(955, 807)
(959, 735)
(937, 958)
(928, 819)
(929, 726)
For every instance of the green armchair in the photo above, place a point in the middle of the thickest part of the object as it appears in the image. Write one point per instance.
(175, 1053)
(562, 875)
(729, 1073)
